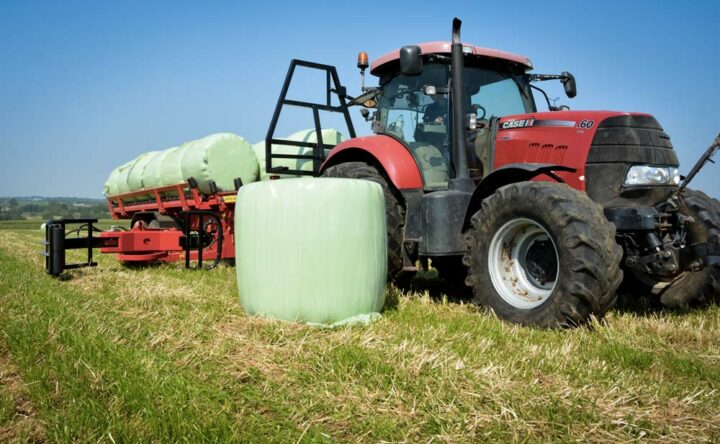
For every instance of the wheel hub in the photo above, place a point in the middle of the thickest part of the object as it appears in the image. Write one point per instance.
(541, 266)
(523, 263)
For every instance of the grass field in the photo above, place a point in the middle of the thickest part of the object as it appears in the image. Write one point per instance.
(163, 354)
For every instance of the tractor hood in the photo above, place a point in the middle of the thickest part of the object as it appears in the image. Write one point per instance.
(600, 145)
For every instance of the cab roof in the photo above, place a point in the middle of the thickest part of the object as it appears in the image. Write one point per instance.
(385, 60)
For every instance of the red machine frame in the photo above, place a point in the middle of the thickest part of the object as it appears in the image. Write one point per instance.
(186, 205)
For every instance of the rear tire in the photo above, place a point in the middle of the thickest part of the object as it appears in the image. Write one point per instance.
(394, 212)
(692, 288)
(542, 254)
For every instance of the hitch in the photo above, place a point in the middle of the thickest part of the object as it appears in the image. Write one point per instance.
(200, 230)
(57, 243)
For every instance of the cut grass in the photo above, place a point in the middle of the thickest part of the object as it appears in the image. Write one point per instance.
(161, 353)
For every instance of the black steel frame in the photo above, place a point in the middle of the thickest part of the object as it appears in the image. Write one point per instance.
(188, 244)
(57, 243)
(318, 155)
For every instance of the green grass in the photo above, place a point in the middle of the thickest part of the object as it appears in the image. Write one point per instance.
(164, 354)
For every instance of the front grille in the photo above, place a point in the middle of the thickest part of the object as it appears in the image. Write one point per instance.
(622, 141)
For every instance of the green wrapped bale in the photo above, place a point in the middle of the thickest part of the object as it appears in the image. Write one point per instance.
(124, 175)
(330, 136)
(136, 176)
(221, 158)
(218, 157)
(311, 250)
(112, 185)
(152, 174)
(171, 168)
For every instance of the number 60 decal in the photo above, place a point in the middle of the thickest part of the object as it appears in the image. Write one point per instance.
(586, 124)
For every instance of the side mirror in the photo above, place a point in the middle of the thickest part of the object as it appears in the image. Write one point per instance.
(568, 81)
(410, 60)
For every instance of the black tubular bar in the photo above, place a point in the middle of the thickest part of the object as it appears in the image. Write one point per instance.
(334, 109)
(284, 170)
(57, 243)
(298, 143)
(294, 156)
(332, 85)
(188, 244)
(318, 150)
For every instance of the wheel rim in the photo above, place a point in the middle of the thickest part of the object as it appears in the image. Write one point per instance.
(523, 263)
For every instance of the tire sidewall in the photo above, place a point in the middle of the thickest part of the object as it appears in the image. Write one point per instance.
(491, 224)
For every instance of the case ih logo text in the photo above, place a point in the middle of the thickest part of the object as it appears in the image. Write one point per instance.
(523, 123)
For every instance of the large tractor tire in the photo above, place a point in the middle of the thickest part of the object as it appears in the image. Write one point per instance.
(394, 211)
(542, 254)
(691, 288)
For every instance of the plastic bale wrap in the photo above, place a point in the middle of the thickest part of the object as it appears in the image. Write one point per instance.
(221, 158)
(152, 175)
(311, 250)
(135, 179)
(330, 136)
(123, 184)
(112, 185)
(171, 168)
(131, 179)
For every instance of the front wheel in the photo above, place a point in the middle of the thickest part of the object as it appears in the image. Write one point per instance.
(542, 254)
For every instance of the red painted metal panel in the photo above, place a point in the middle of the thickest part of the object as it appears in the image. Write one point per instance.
(559, 137)
(141, 244)
(394, 157)
(170, 199)
(444, 48)
(143, 241)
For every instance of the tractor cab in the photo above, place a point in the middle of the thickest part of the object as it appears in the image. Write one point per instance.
(416, 107)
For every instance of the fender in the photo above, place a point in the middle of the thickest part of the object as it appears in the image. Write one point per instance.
(507, 174)
(394, 157)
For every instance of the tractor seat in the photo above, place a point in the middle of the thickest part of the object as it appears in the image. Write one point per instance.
(431, 133)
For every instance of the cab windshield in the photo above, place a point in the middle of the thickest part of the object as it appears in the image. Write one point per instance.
(496, 94)
(420, 118)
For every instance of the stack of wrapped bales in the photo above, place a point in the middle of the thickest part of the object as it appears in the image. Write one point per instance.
(218, 157)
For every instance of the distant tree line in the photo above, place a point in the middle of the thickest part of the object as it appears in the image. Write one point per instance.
(12, 209)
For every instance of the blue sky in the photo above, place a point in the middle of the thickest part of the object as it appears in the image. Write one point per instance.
(88, 85)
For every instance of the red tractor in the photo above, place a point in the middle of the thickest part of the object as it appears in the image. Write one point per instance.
(539, 212)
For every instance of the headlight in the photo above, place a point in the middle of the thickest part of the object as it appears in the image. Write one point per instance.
(652, 175)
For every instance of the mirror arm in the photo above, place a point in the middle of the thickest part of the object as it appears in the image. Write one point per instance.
(564, 78)
(544, 77)
(547, 99)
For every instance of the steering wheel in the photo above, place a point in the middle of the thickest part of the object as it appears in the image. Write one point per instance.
(475, 109)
